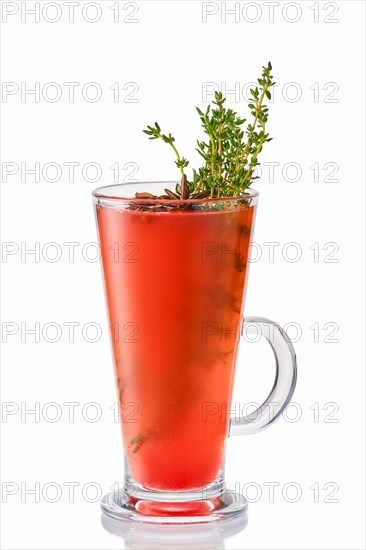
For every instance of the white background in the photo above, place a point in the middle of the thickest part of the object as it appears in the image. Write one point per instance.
(169, 54)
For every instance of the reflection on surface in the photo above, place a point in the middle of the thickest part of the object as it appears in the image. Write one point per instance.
(175, 537)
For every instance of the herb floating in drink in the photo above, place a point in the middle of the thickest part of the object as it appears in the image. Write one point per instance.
(230, 154)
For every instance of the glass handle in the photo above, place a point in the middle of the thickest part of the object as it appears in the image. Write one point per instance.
(285, 380)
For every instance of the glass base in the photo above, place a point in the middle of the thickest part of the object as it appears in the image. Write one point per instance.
(229, 507)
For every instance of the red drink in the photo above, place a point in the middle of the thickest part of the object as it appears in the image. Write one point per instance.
(175, 283)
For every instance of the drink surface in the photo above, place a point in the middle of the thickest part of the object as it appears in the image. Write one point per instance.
(175, 283)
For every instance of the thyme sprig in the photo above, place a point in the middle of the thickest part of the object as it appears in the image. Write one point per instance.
(230, 153)
(155, 133)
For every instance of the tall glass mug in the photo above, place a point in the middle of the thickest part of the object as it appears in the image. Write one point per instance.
(175, 273)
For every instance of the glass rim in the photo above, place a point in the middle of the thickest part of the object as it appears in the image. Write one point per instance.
(99, 193)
